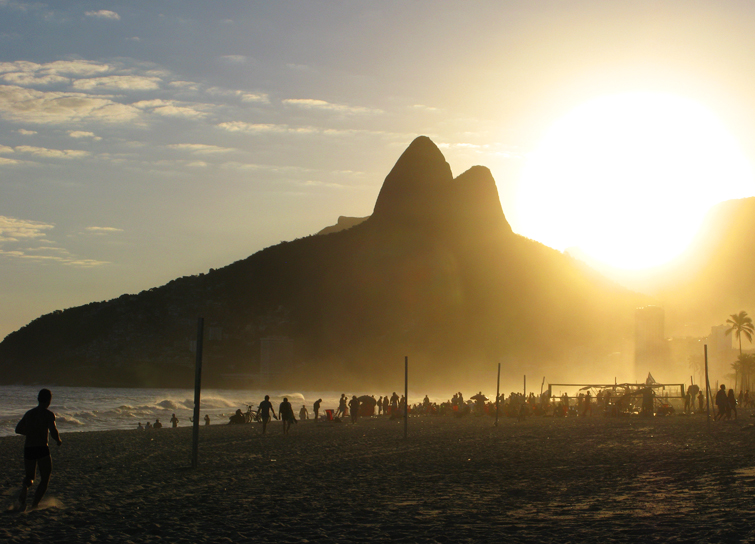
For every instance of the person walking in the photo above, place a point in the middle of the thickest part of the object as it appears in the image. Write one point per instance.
(286, 414)
(35, 425)
(264, 410)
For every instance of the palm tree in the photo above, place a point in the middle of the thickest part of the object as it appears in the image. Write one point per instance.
(741, 324)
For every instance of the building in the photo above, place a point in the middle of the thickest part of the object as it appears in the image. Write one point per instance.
(650, 346)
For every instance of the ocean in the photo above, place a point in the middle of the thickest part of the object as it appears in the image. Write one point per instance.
(79, 409)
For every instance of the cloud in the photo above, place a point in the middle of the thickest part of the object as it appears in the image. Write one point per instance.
(6, 149)
(67, 67)
(52, 153)
(102, 230)
(13, 229)
(314, 104)
(26, 132)
(82, 134)
(245, 96)
(121, 83)
(169, 108)
(29, 79)
(251, 128)
(197, 164)
(33, 106)
(103, 14)
(8, 162)
(233, 59)
(202, 149)
(299, 67)
(184, 85)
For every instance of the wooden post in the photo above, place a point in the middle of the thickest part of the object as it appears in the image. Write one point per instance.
(707, 386)
(497, 393)
(197, 390)
(406, 395)
(525, 386)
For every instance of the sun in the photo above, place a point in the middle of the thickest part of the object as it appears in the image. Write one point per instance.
(626, 179)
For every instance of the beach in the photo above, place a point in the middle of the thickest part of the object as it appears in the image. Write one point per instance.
(593, 479)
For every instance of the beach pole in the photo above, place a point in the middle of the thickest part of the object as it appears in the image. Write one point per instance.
(497, 393)
(525, 386)
(197, 389)
(707, 386)
(406, 394)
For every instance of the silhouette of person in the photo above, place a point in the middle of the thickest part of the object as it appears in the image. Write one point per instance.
(147, 426)
(341, 406)
(732, 405)
(207, 419)
(174, 421)
(354, 408)
(700, 401)
(722, 402)
(303, 414)
(139, 427)
(157, 424)
(35, 425)
(286, 414)
(316, 409)
(394, 403)
(265, 408)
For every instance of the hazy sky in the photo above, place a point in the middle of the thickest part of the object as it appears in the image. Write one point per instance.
(143, 141)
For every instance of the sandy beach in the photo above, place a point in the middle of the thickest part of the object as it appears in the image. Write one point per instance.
(452, 480)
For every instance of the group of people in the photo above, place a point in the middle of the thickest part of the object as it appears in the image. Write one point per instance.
(726, 404)
(157, 425)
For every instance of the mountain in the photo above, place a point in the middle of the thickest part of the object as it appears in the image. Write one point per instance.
(435, 273)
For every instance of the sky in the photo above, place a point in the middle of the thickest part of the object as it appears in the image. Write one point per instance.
(145, 141)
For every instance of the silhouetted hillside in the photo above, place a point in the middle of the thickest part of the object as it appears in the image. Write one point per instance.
(435, 273)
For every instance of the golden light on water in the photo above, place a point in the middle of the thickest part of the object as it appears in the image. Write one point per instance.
(627, 178)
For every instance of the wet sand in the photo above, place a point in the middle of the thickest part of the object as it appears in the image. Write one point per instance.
(453, 480)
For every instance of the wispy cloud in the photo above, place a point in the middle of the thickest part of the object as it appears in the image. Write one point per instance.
(6, 149)
(171, 108)
(234, 59)
(82, 134)
(29, 79)
(119, 83)
(202, 149)
(13, 229)
(315, 104)
(81, 68)
(245, 96)
(52, 153)
(33, 106)
(26, 132)
(252, 128)
(103, 14)
(102, 230)
(8, 162)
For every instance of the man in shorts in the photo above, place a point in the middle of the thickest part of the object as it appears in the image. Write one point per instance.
(265, 408)
(35, 425)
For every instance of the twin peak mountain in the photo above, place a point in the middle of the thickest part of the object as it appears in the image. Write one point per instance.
(435, 274)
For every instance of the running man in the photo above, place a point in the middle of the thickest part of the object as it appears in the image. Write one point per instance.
(35, 425)
(265, 408)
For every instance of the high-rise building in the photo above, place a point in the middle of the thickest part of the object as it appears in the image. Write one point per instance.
(650, 346)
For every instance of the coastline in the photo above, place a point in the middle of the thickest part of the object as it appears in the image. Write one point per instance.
(453, 479)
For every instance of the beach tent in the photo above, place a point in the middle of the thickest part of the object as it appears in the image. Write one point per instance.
(367, 406)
